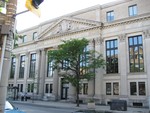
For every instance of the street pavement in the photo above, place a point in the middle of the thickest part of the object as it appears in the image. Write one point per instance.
(69, 105)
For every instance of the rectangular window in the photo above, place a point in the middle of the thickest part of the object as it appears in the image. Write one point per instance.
(112, 56)
(115, 88)
(108, 88)
(13, 65)
(22, 66)
(110, 16)
(20, 87)
(34, 35)
(46, 88)
(140, 90)
(30, 87)
(84, 60)
(136, 54)
(133, 10)
(133, 89)
(85, 88)
(32, 65)
(24, 38)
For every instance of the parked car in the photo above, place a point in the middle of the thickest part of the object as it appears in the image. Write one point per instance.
(9, 108)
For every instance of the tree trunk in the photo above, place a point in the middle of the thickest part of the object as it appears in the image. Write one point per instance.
(77, 94)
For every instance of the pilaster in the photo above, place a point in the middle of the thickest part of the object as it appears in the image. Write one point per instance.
(37, 71)
(55, 84)
(99, 47)
(26, 72)
(42, 72)
(72, 93)
(123, 65)
(146, 41)
(17, 69)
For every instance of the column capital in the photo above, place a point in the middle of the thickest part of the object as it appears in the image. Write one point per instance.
(146, 33)
(15, 55)
(27, 53)
(122, 37)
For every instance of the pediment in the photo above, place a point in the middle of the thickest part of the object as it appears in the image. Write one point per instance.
(68, 25)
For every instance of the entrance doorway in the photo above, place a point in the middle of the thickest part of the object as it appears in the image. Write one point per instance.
(64, 89)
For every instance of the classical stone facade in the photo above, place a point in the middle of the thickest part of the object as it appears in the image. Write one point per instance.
(119, 30)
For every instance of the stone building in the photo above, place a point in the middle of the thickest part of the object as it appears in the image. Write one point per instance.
(121, 32)
(7, 27)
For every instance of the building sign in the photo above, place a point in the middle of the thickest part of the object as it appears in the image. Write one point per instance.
(3, 6)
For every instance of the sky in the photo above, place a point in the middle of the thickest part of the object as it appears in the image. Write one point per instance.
(51, 9)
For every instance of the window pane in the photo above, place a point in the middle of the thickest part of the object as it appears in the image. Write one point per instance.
(133, 90)
(116, 88)
(136, 54)
(135, 40)
(46, 88)
(51, 88)
(112, 57)
(130, 41)
(140, 40)
(110, 16)
(107, 43)
(108, 88)
(133, 10)
(142, 88)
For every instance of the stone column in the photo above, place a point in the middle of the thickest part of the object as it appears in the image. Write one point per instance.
(99, 72)
(55, 84)
(123, 66)
(26, 72)
(37, 71)
(91, 83)
(17, 69)
(42, 73)
(146, 41)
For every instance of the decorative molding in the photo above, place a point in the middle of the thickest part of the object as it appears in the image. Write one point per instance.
(126, 21)
(146, 33)
(122, 37)
(101, 40)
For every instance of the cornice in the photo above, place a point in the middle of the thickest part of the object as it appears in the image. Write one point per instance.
(70, 33)
(126, 21)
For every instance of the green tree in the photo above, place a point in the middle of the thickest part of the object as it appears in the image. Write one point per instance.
(75, 62)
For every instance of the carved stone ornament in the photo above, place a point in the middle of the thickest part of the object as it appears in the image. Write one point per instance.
(122, 37)
(146, 33)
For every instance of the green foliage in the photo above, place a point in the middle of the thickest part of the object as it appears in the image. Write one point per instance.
(71, 51)
(75, 62)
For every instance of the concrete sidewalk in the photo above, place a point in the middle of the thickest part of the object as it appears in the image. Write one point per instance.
(68, 105)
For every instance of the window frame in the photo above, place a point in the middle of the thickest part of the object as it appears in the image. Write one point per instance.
(110, 16)
(22, 69)
(111, 47)
(32, 66)
(137, 88)
(24, 38)
(136, 42)
(131, 10)
(13, 67)
(34, 35)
